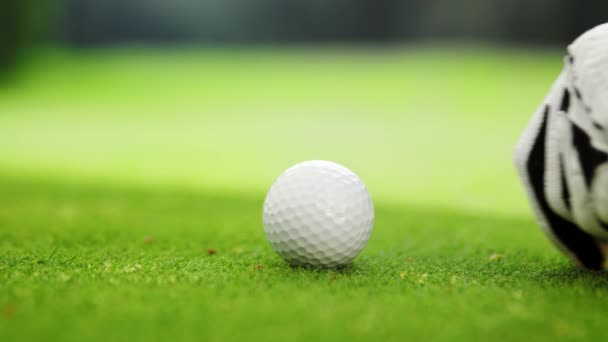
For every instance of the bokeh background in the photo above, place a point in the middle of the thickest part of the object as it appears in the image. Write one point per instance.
(79, 23)
(225, 94)
(90, 22)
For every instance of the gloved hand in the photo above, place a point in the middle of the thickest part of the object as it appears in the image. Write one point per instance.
(562, 156)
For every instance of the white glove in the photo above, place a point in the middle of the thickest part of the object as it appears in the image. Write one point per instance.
(562, 156)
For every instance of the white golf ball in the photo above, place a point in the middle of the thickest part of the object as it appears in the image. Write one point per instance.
(318, 213)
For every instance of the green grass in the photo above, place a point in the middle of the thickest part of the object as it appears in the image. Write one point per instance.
(121, 169)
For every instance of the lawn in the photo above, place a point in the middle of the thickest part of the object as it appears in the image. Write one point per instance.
(132, 181)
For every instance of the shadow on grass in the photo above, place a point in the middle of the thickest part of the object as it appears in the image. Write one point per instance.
(571, 274)
(440, 240)
(349, 268)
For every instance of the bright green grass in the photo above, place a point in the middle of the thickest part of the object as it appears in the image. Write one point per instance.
(102, 149)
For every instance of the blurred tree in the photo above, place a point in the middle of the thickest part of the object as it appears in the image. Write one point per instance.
(12, 32)
(245, 21)
(24, 22)
(467, 19)
(537, 22)
(585, 15)
(376, 20)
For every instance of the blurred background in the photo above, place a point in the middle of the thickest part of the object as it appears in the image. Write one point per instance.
(79, 23)
(224, 94)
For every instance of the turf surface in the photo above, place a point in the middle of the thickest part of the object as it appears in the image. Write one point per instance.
(132, 183)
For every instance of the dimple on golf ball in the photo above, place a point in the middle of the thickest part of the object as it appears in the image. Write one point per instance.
(318, 213)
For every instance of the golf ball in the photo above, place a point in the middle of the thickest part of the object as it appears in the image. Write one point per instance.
(318, 213)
